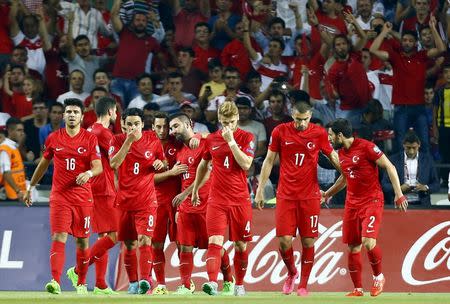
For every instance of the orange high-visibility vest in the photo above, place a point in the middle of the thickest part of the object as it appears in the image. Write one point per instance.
(17, 171)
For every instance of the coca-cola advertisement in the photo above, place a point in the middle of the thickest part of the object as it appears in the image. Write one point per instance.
(415, 245)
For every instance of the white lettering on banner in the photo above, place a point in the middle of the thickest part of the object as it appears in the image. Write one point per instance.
(270, 265)
(4, 254)
(434, 258)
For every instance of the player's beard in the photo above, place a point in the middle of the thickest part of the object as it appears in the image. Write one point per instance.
(337, 145)
(180, 137)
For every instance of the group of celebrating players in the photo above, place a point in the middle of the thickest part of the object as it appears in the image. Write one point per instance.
(192, 187)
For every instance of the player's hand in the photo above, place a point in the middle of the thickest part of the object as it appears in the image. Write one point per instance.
(132, 135)
(82, 178)
(178, 199)
(27, 198)
(259, 199)
(195, 199)
(227, 134)
(194, 143)
(323, 197)
(178, 169)
(401, 202)
(158, 165)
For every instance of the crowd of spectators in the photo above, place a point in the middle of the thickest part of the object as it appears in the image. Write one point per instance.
(381, 64)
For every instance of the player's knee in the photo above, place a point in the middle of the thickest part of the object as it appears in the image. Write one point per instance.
(157, 245)
(285, 242)
(113, 236)
(354, 248)
(82, 243)
(369, 243)
(144, 240)
(60, 237)
(216, 239)
(240, 246)
(308, 242)
(130, 244)
(184, 248)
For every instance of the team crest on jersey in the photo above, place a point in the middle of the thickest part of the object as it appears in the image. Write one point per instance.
(355, 159)
(81, 150)
(111, 150)
(171, 151)
(148, 154)
(190, 160)
(310, 145)
(376, 150)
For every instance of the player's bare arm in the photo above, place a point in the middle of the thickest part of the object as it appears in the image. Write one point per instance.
(399, 199)
(264, 176)
(241, 158)
(202, 169)
(96, 169)
(37, 176)
(118, 159)
(178, 199)
(334, 159)
(176, 170)
(338, 185)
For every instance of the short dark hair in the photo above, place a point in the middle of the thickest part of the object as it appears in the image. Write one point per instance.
(411, 137)
(231, 69)
(102, 89)
(277, 93)
(38, 101)
(214, 63)
(280, 42)
(132, 112)
(181, 116)
(77, 71)
(299, 95)
(151, 106)
(103, 105)
(188, 50)
(12, 122)
(343, 126)
(161, 115)
(174, 75)
(74, 102)
(79, 38)
(100, 71)
(18, 66)
(200, 24)
(253, 75)
(410, 33)
(55, 104)
(142, 76)
(342, 36)
(277, 20)
(302, 107)
(20, 47)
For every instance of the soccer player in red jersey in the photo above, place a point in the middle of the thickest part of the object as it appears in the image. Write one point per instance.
(191, 220)
(298, 144)
(363, 211)
(76, 159)
(231, 152)
(136, 155)
(167, 185)
(105, 216)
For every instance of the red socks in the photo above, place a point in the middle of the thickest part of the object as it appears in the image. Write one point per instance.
(101, 265)
(307, 264)
(288, 259)
(375, 258)
(225, 267)
(100, 247)
(130, 263)
(145, 262)
(159, 263)
(355, 268)
(213, 261)
(240, 266)
(82, 265)
(57, 259)
(186, 267)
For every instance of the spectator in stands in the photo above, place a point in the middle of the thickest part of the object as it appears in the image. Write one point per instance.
(150, 8)
(223, 24)
(19, 56)
(269, 65)
(136, 49)
(32, 126)
(253, 178)
(76, 80)
(56, 111)
(89, 116)
(106, 43)
(277, 108)
(364, 13)
(441, 122)
(16, 79)
(235, 54)
(192, 110)
(6, 44)
(170, 102)
(102, 79)
(185, 18)
(372, 123)
(418, 177)
(215, 86)
(149, 111)
(193, 78)
(203, 50)
(86, 20)
(245, 123)
(11, 164)
(145, 87)
(409, 67)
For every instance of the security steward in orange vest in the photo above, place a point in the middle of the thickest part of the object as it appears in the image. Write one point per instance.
(11, 164)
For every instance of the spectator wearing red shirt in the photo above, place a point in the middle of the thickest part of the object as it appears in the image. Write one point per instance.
(185, 18)
(15, 84)
(6, 43)
(22, 106)
(409, 67)
(193, 78)
(134, 52)
(202, 47)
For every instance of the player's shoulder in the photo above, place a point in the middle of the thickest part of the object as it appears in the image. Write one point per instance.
(284, 127)
(150, 135)
(119, 138)
(317, 129)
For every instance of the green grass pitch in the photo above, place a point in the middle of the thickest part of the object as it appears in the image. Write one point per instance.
(252, 297)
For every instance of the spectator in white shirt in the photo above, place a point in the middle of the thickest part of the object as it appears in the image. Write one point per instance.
(145, 88)
(76, 80)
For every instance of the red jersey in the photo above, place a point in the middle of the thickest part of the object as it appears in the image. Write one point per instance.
(202, 57)
(71, 156)
(136, 173)
(169, 188)
(299, 153)
(359, 167)
(236, 55)
(192, 158)
(409, 77)
(22, 105)
(315, 66)
(228, 179)
(103, 184)
(333, 26)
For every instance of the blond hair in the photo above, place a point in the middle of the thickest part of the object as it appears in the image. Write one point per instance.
(228, 109)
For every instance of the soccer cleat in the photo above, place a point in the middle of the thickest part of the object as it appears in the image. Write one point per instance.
(355, 293)
(73, 277)
(144, 286)
(81, 289)
(182, 290)
(160, 290)
(106, 291)
(289, 284)
(133, 288)
(377, 286)
(302, 292)
(239, 290)
(228, 288)
(192, 287)
(210, 288)
(53, 287)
